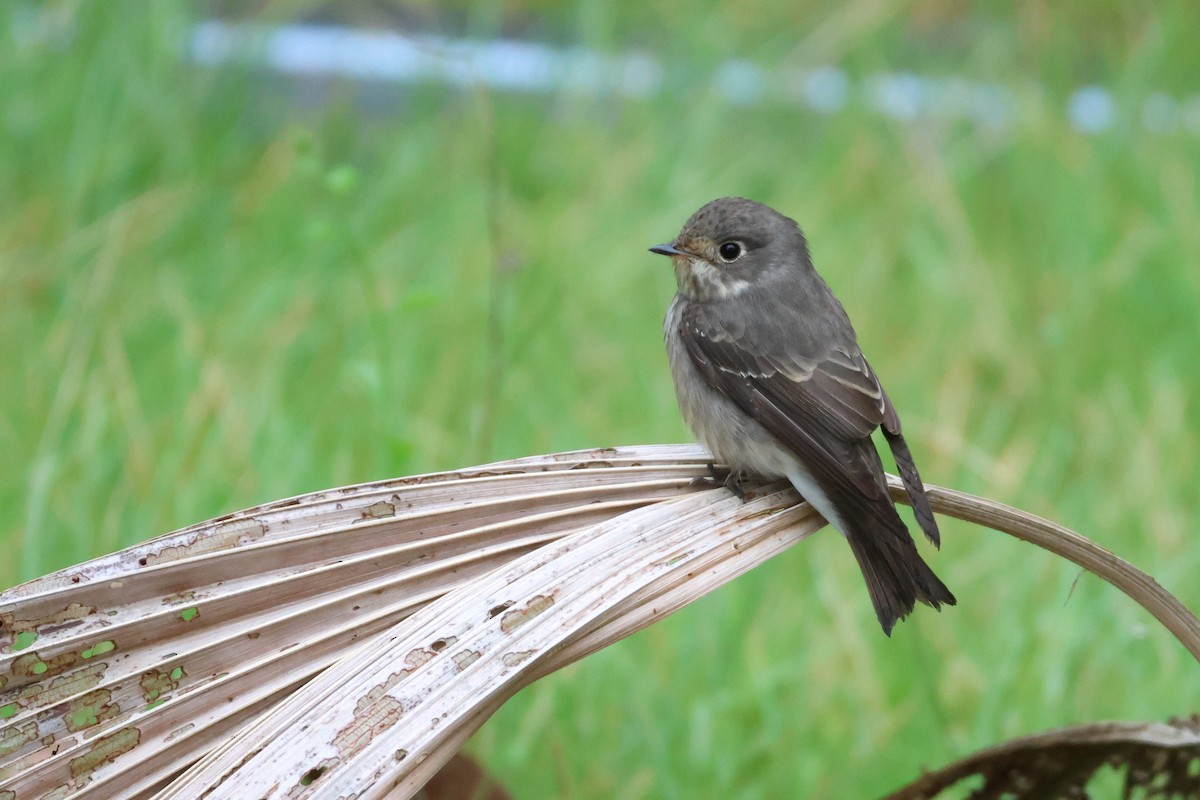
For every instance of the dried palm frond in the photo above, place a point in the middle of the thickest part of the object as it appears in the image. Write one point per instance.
(1158, 761)
(347, 642)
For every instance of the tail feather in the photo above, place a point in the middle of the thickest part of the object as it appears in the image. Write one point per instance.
(896, 575)
(914, 487)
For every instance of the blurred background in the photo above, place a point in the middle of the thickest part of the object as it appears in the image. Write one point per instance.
(249, 250)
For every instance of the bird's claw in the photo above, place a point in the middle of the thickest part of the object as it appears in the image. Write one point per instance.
(731, 479)
(716, 477)
(733, 482)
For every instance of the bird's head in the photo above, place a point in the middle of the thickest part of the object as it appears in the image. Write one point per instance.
(730, 245)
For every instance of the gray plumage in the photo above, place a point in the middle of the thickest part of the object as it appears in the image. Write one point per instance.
(770, 378)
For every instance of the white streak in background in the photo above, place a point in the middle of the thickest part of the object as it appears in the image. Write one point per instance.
(375, 55)
(329, 51)
(824, 90)
(900, 95)
(741, 82)
(1091, 109)
(907, 97)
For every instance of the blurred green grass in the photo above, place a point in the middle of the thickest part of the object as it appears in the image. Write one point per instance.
(210, 299)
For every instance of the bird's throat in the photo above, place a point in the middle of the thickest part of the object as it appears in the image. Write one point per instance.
(697, 279)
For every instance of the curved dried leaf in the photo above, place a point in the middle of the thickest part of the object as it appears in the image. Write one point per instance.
(120, 672)
(418, 604)
(1158, 761)
(1143, 589)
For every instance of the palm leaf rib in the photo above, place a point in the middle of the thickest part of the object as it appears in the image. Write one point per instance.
(351, 640)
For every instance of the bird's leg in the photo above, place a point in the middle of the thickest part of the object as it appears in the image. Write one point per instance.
(732, 479)
(733, 482)
(717, 476)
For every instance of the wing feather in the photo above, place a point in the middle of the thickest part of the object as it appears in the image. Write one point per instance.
(822, 408)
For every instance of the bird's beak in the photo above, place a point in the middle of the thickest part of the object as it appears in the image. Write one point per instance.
(667, 250)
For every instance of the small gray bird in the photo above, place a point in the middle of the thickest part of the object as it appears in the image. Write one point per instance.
(769, 376)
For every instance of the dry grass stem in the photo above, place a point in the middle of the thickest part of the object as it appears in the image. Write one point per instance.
(1142, 588)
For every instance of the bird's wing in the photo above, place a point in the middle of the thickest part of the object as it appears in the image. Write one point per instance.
(908, 471)
(823, 406)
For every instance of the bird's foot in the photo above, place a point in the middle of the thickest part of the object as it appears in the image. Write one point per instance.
(734, 482)
(738, 481)
(716, 477)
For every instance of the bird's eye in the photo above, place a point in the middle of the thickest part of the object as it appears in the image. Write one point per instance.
(730, 251)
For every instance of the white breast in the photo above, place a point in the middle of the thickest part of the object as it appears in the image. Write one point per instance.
(720, 425)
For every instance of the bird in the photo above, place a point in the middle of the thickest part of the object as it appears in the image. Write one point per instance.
(770, 378)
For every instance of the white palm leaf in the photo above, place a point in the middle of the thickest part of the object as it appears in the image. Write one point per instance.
(127, 669)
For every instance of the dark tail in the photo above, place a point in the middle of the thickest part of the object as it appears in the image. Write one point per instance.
(914, 487)
(895, 573)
